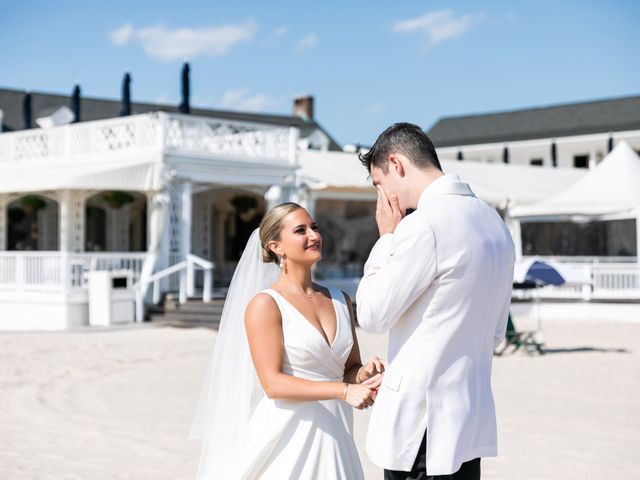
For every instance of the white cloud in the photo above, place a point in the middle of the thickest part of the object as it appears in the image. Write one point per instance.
(438, 25)
(308, 42)
(122, 35)
(244, 99)
(280, 32)
(166, 44)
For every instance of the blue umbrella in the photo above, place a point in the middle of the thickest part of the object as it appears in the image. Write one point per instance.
(542, 273)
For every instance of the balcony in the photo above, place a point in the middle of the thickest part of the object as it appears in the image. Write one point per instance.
(159, 132)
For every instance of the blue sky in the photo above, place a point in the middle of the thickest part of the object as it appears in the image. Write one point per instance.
(368, 63)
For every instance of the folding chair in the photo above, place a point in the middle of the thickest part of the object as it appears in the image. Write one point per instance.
(515, 340)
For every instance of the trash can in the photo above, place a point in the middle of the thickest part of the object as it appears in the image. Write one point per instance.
(111, 297)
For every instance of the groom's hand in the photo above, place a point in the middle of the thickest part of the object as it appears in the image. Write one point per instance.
(388, 214)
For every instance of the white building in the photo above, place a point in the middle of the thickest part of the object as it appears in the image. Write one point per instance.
(171, 198)
(160, 194)
(570, 135)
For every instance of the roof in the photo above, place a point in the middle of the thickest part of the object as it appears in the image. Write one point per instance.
(495, 183)
(43, 104)
(600, 116)
(611, 187)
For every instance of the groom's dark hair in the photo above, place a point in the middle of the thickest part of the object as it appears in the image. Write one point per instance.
(407, 139)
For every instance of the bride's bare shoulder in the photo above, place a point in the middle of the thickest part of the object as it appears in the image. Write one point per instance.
(262, 307)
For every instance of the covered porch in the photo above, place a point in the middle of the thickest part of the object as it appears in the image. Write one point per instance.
(143, 194)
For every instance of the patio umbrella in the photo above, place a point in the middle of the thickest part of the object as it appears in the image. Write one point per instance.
(184, 105)
(126, 95)
(75, 103)
(537, 272)
(533, 274)
(26, 111)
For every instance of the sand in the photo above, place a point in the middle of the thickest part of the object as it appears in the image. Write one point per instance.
(117, 404)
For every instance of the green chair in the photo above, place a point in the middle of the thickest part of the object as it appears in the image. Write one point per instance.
(514, 340)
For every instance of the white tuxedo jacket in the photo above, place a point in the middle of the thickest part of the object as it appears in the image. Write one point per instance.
(441, 286)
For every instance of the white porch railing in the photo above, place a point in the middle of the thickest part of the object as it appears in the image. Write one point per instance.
(60, 271)
(164, 131)
(604, 281)
(186, 270)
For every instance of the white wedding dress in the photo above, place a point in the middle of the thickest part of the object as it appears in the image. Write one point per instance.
(303, 440)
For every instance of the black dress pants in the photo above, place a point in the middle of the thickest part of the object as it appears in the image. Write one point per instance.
(468, 471)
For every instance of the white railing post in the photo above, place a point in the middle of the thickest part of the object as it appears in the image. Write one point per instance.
(206, 288)
(20, 270)
(191, 280)
(182, 296)
(139, 305)
(156, 292)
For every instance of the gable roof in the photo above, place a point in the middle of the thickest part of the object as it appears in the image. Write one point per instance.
(599, 116)
(43, 104)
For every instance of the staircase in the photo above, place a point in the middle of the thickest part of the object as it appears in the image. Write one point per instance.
(193, 313)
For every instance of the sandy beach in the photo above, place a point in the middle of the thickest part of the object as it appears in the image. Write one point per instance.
(117, 404)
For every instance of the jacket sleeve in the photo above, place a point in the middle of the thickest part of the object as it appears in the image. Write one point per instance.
(400, 268)
(501, 326)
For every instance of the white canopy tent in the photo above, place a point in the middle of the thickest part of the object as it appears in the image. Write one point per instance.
(608, 197)
(612, 187)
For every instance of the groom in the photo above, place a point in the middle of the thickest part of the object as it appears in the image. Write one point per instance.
(439, 281)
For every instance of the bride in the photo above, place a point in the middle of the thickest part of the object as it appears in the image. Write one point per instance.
(286, 367)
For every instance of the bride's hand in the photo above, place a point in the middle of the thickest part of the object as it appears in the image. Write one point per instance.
(360, 396)
(370, 369)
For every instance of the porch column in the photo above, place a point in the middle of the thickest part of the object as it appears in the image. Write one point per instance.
(4, 203)
(71, 218)
(185, 233)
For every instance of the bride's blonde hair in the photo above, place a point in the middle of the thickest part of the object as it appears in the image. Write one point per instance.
(271, 226)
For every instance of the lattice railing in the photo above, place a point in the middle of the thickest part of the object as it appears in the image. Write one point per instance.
(172, 132)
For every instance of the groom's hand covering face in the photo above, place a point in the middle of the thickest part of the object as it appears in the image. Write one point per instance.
(388, 213)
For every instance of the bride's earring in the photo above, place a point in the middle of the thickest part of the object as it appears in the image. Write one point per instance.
(282, 264)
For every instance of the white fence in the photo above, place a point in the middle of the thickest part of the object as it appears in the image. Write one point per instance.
(60, 272)
(603, 282)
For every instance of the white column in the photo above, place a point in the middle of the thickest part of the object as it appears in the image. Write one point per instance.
(4, 203)
(65, 230)
(71, 221)
(186, 218)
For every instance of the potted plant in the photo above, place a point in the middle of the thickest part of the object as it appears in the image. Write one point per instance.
(116, 198)
(32, 203)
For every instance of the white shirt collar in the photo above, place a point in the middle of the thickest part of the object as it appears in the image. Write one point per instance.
(449, 184)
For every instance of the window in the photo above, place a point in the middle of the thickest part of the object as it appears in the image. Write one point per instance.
(536, 162)
(615, 238)
(581, 161)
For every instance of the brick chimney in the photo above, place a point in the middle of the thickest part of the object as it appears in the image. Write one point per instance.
(303, 107)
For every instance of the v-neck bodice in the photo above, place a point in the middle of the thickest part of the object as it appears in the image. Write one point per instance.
(306, 351)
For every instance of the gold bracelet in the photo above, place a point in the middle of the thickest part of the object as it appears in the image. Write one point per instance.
(344, 393)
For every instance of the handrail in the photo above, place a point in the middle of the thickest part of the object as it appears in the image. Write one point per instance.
(186, 269)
